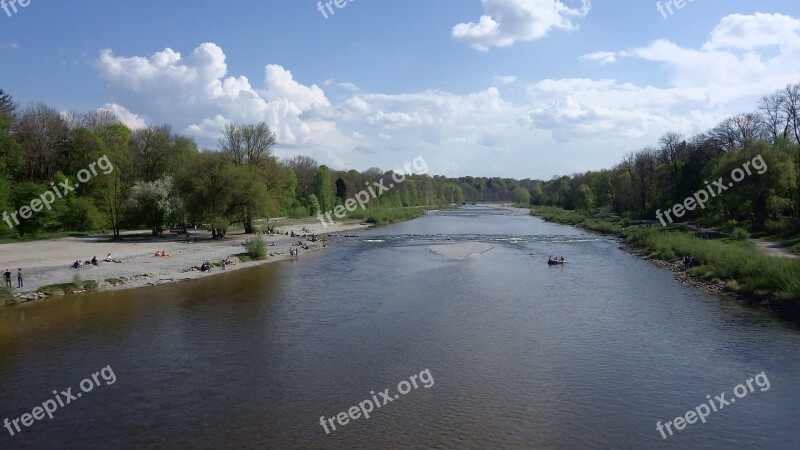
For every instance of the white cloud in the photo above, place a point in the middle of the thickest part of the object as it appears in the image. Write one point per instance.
(601, 58)
(556, 126)
(508, 21)
(505, 79)
(131, 120)
(9, 45)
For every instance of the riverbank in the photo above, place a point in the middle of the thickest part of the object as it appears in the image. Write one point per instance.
(722, 266)
(48, 263)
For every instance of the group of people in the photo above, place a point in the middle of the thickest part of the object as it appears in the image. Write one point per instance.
(688, 261)
(161, 254)
(556, 260)
(93, 262)
(7, 276)
(225, 262)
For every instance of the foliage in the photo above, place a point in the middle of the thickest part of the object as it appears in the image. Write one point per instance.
(256, 248)
(157, 201)
(740, 234)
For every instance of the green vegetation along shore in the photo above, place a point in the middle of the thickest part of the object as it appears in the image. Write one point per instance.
(734, 266)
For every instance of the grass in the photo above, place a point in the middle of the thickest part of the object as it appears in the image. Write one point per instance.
(44, 236)
(77, 285)
(113, 281)
(736, 264)
(381, 215)
(243, 257)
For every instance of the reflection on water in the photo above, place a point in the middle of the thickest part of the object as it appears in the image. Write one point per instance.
(591, 354)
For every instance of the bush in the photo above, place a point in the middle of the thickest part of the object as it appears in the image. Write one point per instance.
(7, 296)
(740, 234)
(80, 215)
(256, 248)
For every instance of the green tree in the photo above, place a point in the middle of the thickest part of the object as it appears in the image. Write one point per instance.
(584, 201)
(313, 204)
(115, 185)
(521, 196)
(322, 187)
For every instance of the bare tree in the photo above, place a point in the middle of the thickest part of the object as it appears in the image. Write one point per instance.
(670, 154)
(791, 107)
(773, 115)
(736, 130)
(101, 118)
(42, 135)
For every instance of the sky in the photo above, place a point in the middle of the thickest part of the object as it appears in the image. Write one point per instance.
(508, 88)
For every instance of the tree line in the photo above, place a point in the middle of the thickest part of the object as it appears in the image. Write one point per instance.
(161, 177)
(660, 176)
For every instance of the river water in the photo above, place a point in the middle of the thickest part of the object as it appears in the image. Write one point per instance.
(514, 353)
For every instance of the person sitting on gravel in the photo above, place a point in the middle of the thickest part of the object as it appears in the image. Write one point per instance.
(94, 261)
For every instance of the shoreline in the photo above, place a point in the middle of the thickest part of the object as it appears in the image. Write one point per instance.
(139, 267)
(708, 286)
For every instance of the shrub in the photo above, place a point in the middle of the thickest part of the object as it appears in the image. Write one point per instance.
(256, 248)
(740, 234)
(77, 281)
(7, 296)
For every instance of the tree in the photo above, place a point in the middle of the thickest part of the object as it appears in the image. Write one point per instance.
(7, 106)
(150, 149)
(341, 189)
(322, 187)
(313, 205)
(304, 168)
(115, 185)
(452, 193)
(156, 201)
(250, 146)
(42, 135)
(584, 200)
(521, 196)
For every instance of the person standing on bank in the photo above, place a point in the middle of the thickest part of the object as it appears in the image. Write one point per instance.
(7, 275)
(19, 278)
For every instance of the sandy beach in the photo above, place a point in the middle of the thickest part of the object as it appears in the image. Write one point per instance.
(48, 262)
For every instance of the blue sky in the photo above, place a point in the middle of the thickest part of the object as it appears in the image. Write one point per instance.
(516, 88)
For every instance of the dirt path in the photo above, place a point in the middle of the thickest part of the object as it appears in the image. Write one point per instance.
(773, 249)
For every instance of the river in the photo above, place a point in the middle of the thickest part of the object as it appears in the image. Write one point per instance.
(513, 353)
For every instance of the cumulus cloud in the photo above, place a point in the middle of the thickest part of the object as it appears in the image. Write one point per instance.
(131, 120)
(508, 21)
(197, 94)
(554, 126)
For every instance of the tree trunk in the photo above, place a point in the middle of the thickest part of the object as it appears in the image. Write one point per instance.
(248, 222)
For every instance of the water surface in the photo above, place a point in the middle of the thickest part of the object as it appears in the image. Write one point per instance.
(522, 354)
